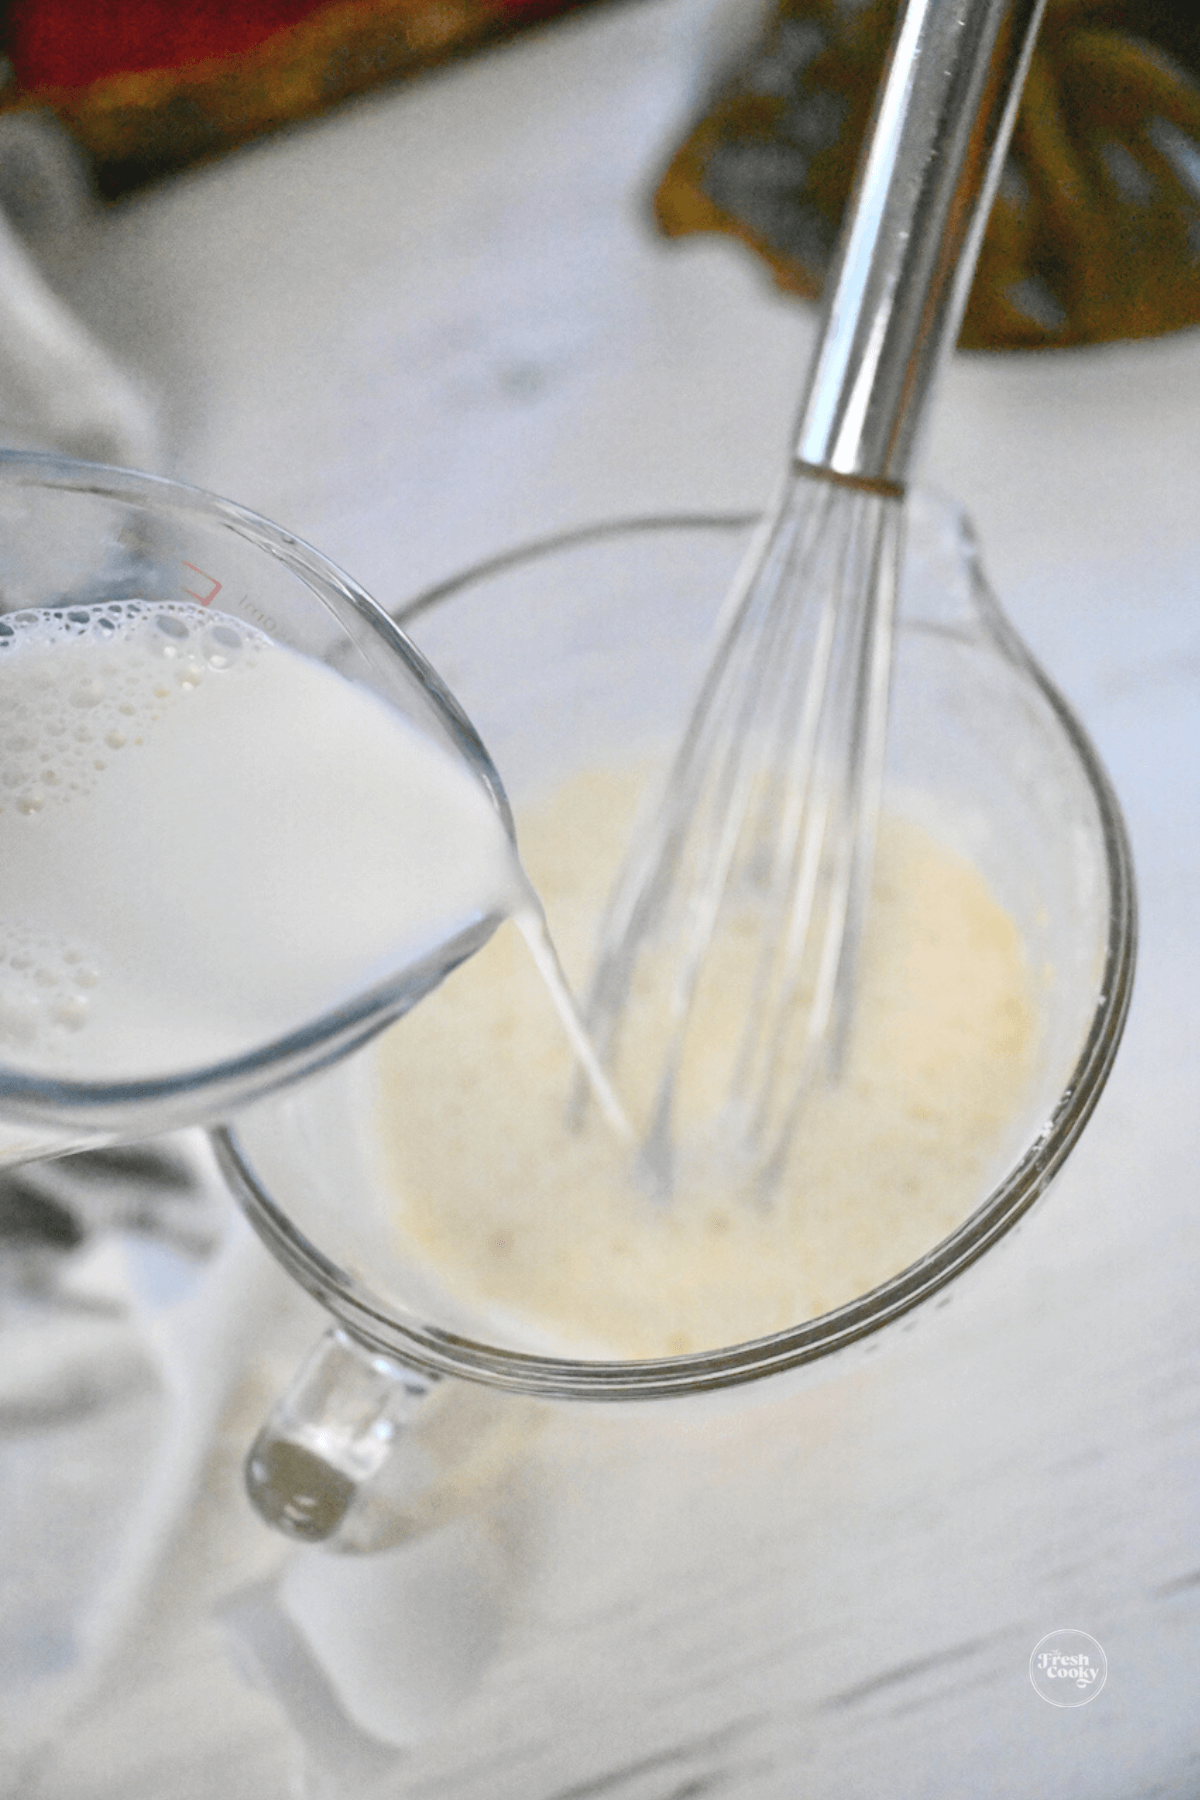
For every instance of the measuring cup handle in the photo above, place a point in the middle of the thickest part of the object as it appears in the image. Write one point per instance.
(329, 1433)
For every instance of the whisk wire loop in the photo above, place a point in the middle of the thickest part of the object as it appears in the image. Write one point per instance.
(756, 842)
(800, 1036)
(820, 826)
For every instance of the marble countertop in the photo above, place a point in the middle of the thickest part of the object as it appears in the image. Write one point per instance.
(433, 325)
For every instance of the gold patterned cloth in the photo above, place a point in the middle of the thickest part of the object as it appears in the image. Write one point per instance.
(1095, 232)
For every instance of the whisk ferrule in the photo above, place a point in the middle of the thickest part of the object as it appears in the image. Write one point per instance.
(894, 300)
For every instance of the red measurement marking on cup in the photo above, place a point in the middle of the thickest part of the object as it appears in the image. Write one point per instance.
(204, 599)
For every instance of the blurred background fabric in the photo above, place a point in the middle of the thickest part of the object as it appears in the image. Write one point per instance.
(1094, 235)
(1095, 231)
(148, 86)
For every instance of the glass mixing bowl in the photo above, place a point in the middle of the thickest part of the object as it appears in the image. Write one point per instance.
(589, 644)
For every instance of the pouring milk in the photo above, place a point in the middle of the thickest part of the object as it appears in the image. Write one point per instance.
(209, 840)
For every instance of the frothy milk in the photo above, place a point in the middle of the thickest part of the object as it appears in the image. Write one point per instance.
(208, 840)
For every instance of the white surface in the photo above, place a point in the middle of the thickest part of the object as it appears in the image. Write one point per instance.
(433, 325)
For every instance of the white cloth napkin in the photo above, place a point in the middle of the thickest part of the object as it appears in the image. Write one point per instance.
(130, 1365)
(115, 1359)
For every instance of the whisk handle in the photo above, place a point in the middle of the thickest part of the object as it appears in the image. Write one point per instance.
(943, 117)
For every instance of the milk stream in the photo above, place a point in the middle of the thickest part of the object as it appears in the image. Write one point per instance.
(531, 922)
(208, 840)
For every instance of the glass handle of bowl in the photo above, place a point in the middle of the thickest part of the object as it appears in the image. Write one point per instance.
(329, 1433)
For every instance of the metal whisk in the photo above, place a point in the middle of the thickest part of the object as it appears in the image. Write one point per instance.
(753, 876)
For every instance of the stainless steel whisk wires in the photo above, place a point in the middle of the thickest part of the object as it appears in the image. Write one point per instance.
(753, 876)
(808, 835)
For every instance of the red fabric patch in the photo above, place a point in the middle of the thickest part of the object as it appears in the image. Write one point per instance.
(72, 43)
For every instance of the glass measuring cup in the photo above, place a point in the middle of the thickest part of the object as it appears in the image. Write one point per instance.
(584, 647)
(74, 536)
